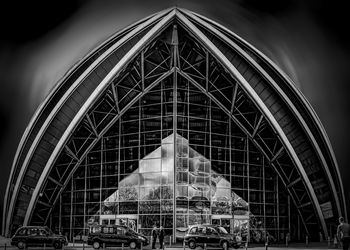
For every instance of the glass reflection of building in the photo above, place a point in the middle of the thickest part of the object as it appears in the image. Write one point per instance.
(175, 121)
(220, 177)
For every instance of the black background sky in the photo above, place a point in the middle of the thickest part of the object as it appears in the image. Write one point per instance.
(41, 40)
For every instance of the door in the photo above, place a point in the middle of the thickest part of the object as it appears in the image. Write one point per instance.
(201, 235)
(107, 235)
(213, 238)
(120, 236)
(44, 237)
(33, 237)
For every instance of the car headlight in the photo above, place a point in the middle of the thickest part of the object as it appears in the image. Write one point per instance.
(238, 238)
(140, 238)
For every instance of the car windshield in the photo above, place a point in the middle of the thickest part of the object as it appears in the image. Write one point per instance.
(222, 230)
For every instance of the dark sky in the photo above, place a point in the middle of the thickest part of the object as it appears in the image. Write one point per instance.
(41, 40)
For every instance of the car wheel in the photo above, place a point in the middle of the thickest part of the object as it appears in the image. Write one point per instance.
(225, 245)
(132, 245)
(96, 245)
(192, 244)
(21, 245)
(57, 245)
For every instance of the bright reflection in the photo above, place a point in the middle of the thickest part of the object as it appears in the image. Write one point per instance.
(200, 192)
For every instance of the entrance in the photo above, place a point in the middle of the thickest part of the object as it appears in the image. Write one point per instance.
(240, 226)
(129, 220)
(224, 221)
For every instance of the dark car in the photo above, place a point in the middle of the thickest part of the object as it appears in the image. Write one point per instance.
(212, 235)
(113, 235)
(37, 236)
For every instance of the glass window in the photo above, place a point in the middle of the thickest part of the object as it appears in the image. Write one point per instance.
(150, 178)
(42, 232)
(22, 231)
(128, 193)
(120, 231)
(95, 229)
(32, 231)
(193, 230)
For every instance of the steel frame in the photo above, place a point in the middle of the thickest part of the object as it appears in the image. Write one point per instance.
(147, 64)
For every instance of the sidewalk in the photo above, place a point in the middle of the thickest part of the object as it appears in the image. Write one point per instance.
(178, 246)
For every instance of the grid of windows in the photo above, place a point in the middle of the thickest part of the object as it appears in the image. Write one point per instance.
(167, 152)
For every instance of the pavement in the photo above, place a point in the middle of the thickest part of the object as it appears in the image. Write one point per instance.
(5, 243)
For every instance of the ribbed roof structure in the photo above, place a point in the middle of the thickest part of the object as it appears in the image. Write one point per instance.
(230, 71)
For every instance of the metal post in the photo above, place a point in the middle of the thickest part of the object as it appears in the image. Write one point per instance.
(141, 246)
(104, 246)
(44, 246)
(5, 246)
(184, 245)
(329, 242)
(246, 245)
(170, 241)
(335, 241)
(307, 240)
(122, 246)
(205, 246)
(83, 245)
(287, 239)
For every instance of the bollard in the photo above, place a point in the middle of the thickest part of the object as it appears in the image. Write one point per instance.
(170, 242)
(44, 246)
(141, 246)
(287, 240)
(163, 245)
(246, 245)
(329, 242)
(83, 245)
(122, 246)
(104, 246)
(266, 245)
(205, 246)
(5, 247)
(184, 245)
(307, 240)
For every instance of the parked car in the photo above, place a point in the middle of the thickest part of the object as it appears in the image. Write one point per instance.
(37, 236)
(113, 235)
(212, 235)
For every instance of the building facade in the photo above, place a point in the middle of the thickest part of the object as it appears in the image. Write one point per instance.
(175, 121)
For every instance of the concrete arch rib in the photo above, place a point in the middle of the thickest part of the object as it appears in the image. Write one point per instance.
(54, 111)
(245, 85)
(284, 97)
(116, 69)
(301, 98)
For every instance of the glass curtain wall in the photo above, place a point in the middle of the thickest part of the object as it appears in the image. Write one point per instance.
(183, 153)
